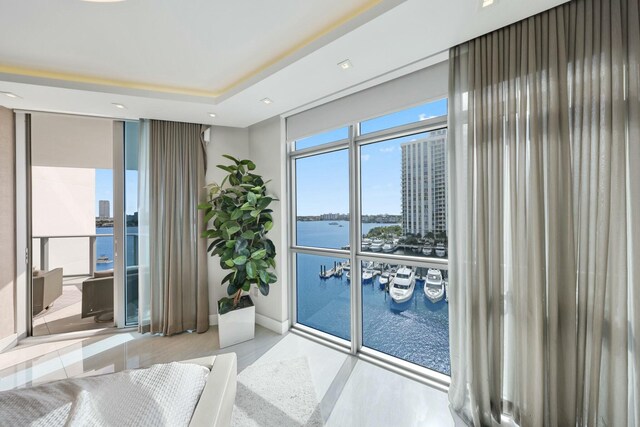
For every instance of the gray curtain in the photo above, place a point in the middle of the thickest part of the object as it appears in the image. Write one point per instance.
(174, 293)
(544, 154)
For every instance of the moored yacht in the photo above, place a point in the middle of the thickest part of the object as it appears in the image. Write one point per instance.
(388, 247)
(427, 250)
(346, 266)
(384, 278)
(403, 284)
(376, 245)
(367, 275)
(441, 250)
(433, 286)
(366, 244)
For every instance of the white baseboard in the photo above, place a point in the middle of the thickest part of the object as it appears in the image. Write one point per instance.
(8, 342)
(262, 320)
(272, 324)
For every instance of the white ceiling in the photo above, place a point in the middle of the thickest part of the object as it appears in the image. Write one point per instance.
(180, 60)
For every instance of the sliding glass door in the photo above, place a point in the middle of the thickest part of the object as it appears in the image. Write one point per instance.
(83, 204)
(126, 141)
(72, 223)
(369, 240)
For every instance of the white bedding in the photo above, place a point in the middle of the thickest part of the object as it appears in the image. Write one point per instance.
(162, 395)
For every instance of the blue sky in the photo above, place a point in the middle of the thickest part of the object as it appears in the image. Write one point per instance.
(104, 189)
(104, 177)
(323, 180)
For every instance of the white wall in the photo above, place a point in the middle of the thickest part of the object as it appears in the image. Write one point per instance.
(63, 204)
(63, 201)
(260, 143)
(65, 153)
(267, 149)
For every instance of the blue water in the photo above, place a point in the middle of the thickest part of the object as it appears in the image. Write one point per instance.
(104, 247)
(416, 331)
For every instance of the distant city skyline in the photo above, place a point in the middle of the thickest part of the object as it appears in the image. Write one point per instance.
(104, 189)
(104, 208)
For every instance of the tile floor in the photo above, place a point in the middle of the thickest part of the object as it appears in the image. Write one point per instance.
(64, 315)
(351, 392)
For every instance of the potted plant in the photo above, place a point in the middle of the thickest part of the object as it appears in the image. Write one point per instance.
(240, 218)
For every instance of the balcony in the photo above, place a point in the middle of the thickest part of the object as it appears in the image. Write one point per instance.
(81, 257)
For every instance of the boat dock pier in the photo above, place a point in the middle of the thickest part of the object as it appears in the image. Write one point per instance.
(335, 271)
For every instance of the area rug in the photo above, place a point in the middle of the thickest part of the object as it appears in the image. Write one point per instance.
(277, 394)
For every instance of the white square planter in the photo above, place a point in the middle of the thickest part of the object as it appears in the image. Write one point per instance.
(237, 326)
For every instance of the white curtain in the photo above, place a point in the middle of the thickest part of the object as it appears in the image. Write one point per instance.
(144, 280)
(544, 219)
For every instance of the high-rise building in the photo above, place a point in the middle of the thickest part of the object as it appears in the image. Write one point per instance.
(104, 210)
(424, 184)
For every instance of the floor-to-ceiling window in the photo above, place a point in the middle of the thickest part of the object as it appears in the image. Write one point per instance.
(321, 232)
(369, 236)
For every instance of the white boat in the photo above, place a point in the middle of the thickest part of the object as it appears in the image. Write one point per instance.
(388, 248)
(367, 276)
(376, 245)
(403, 285)
(441, 250)
(366, 244)
(433, 286)
(427, 251)
(103, 260)
(384, 278)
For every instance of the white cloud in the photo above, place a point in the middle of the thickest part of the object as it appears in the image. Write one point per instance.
(423, 116)
(387, 150)
(365, 157)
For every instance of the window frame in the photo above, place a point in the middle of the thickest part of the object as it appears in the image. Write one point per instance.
(355, 255)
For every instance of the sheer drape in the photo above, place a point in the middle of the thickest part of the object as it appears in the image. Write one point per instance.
(144, 246)
(174, 293)
(544, 242)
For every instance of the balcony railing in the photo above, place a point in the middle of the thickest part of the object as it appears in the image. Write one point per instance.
(132, 247)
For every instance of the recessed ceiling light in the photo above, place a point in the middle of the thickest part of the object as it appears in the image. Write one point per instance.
(120, 106)
(212, 114)
(267, 101)
(10, 95)
(486, 3)
(345, 65)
